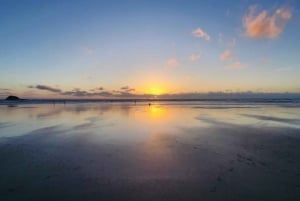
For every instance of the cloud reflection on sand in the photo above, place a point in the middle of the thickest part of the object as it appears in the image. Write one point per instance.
(272, 118)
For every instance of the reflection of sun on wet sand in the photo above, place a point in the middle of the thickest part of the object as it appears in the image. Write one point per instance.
(162, 152)
(157, 112)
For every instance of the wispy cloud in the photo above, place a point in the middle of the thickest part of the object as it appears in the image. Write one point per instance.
(195, 57)
(46, 88)
(83, 93)
(265, 24)
(127, 89)
(227, 54)
(77, 92)
(124, 91)
(199, 33)
(236, 65)
(97, 89)
(172, 62)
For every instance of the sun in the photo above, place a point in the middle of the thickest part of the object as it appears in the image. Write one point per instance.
(156, 91)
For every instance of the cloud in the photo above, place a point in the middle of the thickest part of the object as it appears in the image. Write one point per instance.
(46, 88)
(75, 92)
(97, 89)
(82, 93)
(227, 54)
(104, 93)
(172, 62)
(265, 24)
(127, 89)
(199, 33)
(236, 65)
(124, 91)
(195, 57)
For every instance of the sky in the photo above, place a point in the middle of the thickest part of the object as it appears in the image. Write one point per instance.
(136, 48)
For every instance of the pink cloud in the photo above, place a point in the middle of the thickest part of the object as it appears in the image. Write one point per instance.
(172, 62)
(199, 33)
(195, 57)
(227, 54)
(265, 24)
(236, 65)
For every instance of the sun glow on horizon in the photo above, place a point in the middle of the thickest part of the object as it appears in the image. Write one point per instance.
(156, 90)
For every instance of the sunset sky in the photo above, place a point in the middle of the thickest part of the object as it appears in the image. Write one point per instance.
(124, 48)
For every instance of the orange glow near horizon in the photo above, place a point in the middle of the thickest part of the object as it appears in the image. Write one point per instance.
(155, 90)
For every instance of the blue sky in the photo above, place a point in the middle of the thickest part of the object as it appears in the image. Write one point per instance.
(148, 47)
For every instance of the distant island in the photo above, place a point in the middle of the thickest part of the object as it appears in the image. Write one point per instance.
(13, 98)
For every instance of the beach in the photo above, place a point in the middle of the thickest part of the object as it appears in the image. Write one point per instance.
(163, 151)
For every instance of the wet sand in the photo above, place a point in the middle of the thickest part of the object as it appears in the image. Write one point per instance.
(223, 161)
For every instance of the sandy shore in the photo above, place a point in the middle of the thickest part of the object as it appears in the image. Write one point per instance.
(222, 162)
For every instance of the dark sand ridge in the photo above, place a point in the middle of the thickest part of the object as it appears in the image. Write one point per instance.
(220, 162)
